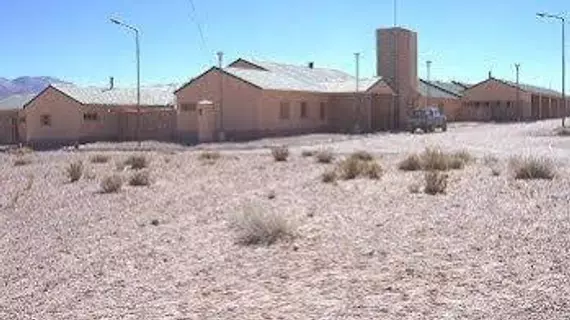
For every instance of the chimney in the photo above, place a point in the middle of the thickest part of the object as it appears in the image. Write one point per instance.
(111, 83)
(490, 75)
(311, 65)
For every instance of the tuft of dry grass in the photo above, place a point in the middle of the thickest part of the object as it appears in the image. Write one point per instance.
(352, 167)
(209, 156)
(436, 159)
(74, 170)
(137, 162)
(414, 188)
(111, 184)
(362, 155)
(256, 226)
(22, 161)
(280, 153)
(412, 163)
(464, 156)
(329, 176)
(532, 168)
(99, 158)
(325, 156)
(435, 182)
(140, 178)
(308, 153)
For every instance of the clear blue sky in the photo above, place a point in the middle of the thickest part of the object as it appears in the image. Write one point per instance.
(73, 40)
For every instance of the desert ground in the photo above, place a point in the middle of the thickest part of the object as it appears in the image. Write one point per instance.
(490, 247)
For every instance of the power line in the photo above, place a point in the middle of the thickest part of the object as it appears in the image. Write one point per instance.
(202, 38)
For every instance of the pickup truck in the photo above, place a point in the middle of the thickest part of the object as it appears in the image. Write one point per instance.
(427, 119)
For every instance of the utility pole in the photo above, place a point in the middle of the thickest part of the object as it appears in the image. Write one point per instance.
(395, 13)
(562, 20)
(357, 65)
(518, 107)
(220, 66)
(428, 98)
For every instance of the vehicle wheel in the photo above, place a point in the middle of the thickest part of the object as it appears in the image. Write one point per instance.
(431, 129)
(444, 128)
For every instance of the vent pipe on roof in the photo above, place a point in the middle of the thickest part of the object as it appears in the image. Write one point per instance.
(311, 65)
(111, 83)
(490, 75)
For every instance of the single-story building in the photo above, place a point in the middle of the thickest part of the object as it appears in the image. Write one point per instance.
(444, 95)
(259, 98)
(10, 122)
(67, 114)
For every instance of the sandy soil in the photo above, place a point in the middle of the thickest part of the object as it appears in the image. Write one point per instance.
(491, 248)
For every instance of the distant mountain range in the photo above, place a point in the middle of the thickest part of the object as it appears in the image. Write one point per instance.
(26, 85)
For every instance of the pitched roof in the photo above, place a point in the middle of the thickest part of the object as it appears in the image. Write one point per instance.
(150, 96)
(437, 89)
(278, 76)
(16, 101)
(532, 88)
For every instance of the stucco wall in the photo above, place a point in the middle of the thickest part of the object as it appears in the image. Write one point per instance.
(240, 103)
(65, 115)
(104, 128)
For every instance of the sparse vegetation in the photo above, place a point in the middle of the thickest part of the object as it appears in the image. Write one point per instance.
(436, 159)
(137, 162)
(308, 153)
(111, 184)
(435, 182)
(140, 178)
(329, 176)
(325, 156)
(532, 168)
(74, 170)
(362, 156)
(22, 161)
(412, 163)
(414, 188)
(261, 227)
(21, 151)
(563, 132)
(353, 167)
(280, 153)
(209, 156)
(464, 156)
(99, 158)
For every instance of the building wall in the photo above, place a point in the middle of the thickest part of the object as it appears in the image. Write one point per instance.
(450, 107)
(65, 119)
(270, 120)
(155, 123)
(104, 128)
(9, 120)
(240, 104)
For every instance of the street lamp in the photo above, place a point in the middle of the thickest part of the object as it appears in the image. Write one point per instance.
(562, 19)
(117, 22)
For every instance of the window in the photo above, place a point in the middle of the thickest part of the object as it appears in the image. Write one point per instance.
(323, 110)
(508, 104)
(90, 116)
(188, 107)
(284, 110)
(45, 120)
(303, 109)
(23, 120)
(477, 104)
(487, 104)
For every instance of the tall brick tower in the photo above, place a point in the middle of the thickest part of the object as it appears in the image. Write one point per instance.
(397, 63)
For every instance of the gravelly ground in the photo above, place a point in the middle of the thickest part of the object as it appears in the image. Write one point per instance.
(491, 248)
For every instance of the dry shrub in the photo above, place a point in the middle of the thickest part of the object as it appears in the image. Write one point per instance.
(490, 160)
(209, 155)
(495, 171)
(137, 162)
(22, 151)
(352, 168)
(74, 170)
(362, 156)
(412, 163)
(308, 153)
(563, 132)
(436, 159)
(261, 227)
(99, 158)
(325, 156)
(533, 168)
(111, 184)
(22, 161)
(329, 176)
(140, 178)
(414, 188)
(435, 182)
(280, 153)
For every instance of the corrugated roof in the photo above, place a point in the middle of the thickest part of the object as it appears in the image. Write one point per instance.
(435, 91)
(16, 101)
(150, 96)
(450, 86)
(300, 78)
(534, 89)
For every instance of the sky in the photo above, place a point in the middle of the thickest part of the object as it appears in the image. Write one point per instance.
(74, 40)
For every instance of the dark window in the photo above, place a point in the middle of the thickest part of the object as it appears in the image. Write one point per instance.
(303, 109)
(200, 112)
(323, 110)
(476, 104)
(284, 110)
(90, 116)
(23, 120)
(188, 107)
(508, 104)
(45, 120)
(487, 104)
